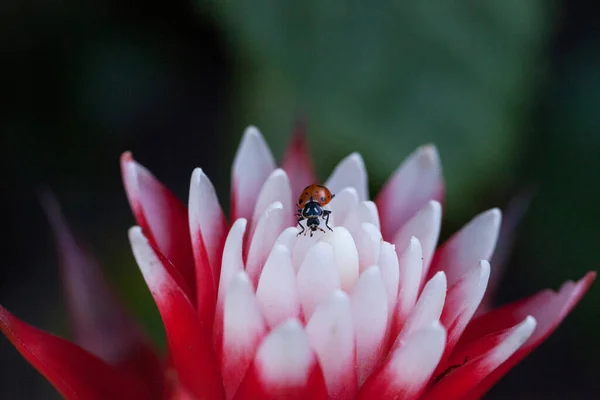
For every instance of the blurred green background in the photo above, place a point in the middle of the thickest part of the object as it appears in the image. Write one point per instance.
(508, 90)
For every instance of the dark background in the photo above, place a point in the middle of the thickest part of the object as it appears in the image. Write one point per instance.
(509, 91)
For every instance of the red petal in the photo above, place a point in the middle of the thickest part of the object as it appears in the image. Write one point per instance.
(74, 372)
(511, 218)
(405, 373)
(462, 300)
(161, 215)
(297, 162)
(547, 307)
(100, 324)
(466, 368)
(189, 341)
(284, 368)
(208, 229)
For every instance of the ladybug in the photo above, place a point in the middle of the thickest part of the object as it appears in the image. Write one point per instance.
(310, 208)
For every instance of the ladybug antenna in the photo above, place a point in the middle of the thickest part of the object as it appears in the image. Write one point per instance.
(332, 196)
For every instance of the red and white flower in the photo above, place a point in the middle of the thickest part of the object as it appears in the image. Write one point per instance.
(373, 309)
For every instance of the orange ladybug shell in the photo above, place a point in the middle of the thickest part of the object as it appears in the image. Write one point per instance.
(319, 194)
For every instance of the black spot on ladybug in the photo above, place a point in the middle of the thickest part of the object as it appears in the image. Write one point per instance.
(306, 193)
(322, 198)
(301, 201)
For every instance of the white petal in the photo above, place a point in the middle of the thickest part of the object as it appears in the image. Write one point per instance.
(411, 268)
(368, 243)
(350, 172)
(302, 245)
(252, 164)
(369, 310)
(511, 343)
(243, 330)
(345, 254)
(317, 278)
(275, 189)
(409, 367)
(390, 273)
(276, 292)
(149, 263)
(425, 226)
(206, 219)
(364, 212)
(270, 225)
(232, 260)
(428, 308)
(474, 242)
(287, 238)
(415, 182)
(497, 349)
(331, 335)
(342, 205)
(284, 358)
(462, 301)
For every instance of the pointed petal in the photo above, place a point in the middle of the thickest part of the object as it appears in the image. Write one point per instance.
(252, 164)
(343, 204)
(100, 324)
(486, 355)
(189, 342)
(411, 267)
(511, 218)
(270, 225)
(287, 238)
(317, 278)
(244, 328)
(208, 225)
(462, 301)
(345, 254)
(297, 162)
(232, 264)
(405, 373)
(390, 273)
(276, 292)
(284, 367)
(331, 335)
(163, 218)
(547, 307)
(350, 172)
(368, 243)
(301, 247)
(369, 311)
(276, 189)
(463, 251)
(425, 226)
(364, 212)
(74, 372)
(428, 308)
(417, 181)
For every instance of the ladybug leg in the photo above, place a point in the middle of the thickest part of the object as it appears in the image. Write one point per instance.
(326, 214)
(301, 227)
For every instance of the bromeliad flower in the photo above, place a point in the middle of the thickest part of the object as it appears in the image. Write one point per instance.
(252, 310)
